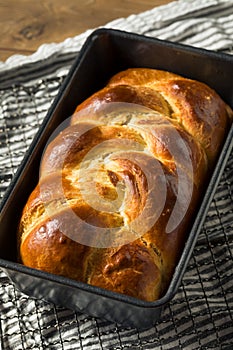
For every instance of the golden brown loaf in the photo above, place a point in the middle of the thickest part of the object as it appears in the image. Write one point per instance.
(119, 186)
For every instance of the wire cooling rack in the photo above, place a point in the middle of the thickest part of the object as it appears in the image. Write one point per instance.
(200, 316)
(22, 109)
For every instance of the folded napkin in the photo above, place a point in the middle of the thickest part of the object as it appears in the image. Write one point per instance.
(201, 314)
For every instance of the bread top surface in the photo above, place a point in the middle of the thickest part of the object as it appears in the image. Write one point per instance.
(125, 169)
(194, 105)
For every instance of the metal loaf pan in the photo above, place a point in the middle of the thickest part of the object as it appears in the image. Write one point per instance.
(105, 53)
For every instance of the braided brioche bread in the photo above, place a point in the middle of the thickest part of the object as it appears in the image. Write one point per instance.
(120, 185)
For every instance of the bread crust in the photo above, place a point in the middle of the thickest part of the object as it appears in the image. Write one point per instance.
(127, 171)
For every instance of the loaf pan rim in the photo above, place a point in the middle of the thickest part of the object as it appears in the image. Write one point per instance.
(15, 266)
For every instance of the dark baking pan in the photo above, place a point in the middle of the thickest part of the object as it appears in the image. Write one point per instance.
(105, 53)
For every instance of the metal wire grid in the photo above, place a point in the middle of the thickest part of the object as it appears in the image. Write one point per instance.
(199, 317)
(22, 109)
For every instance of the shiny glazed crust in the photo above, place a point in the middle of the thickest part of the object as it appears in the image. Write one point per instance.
(135, 172)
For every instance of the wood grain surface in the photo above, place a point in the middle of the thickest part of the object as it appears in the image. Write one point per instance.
(26, 24)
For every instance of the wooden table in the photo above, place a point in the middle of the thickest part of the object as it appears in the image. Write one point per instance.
(26, 24)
